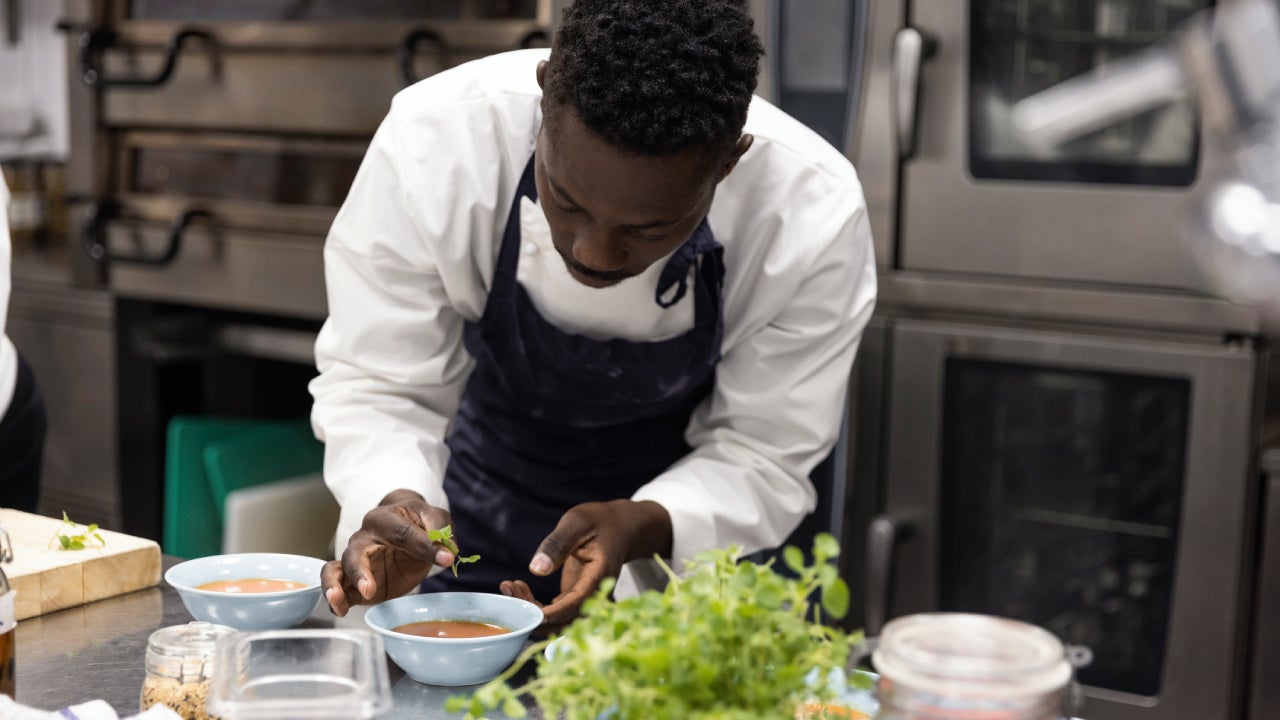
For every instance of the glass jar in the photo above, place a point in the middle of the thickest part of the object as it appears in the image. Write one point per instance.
(953, 666)
(179, 665)
(8, 622)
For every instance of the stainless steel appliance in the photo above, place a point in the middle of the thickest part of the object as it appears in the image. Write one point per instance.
(1054, 418)
(212, 144)
(1097, 485)
(970, 198)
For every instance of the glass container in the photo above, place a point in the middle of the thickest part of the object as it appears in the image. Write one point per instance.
(179, 664)
(309, 674)
(953, 666)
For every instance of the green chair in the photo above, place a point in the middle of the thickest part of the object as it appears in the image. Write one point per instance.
(207, 458)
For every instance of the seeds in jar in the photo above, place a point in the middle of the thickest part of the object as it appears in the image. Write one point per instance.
(185, 698)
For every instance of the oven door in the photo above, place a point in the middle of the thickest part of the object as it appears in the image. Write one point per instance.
(1096, 486)
(222, 220)
(974, 199)
(284, 66)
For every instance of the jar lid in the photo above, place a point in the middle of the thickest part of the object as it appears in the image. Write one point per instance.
(195, 639)
(960, 654)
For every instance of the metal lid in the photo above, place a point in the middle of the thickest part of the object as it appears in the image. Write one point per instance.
(977, 656)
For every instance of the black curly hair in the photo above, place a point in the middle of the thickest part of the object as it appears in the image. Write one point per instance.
(657, 77)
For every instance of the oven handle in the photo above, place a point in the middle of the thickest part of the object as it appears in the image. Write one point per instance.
(882, 536)
(532, 39)
(409, 49)
(95, 244)
(93, 42)
(910, 49)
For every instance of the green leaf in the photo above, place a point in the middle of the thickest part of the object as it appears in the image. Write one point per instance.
(794, 559)
(827, 575)
(456, 703)
(825, 546)
(66, 541)
(727, 640)
(513, 708)
(835, 598)
(93, 527)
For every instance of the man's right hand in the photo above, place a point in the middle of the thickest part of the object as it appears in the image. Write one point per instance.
(389, 555)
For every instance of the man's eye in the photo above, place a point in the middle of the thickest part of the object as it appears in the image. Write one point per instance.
(653, 237)
(563, 208)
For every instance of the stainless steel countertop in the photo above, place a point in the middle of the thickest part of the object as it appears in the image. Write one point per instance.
(96, 652)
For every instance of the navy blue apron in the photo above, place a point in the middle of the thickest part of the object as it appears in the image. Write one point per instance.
(550, 419)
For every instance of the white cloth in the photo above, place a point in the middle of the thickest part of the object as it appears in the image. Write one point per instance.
(93, 710)
(8, 356)
(411, 256)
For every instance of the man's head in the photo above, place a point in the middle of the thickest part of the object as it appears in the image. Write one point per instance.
(644, 102)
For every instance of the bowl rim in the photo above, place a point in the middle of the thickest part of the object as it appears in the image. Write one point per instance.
(185, 587)
(388, 632)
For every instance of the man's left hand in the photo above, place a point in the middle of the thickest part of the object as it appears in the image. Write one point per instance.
(593, 541)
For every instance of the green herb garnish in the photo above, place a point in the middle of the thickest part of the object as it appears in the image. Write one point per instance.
(76, 541)
(444, 536)
(729, 641)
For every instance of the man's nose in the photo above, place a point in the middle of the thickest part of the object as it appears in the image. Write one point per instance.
(593, 248)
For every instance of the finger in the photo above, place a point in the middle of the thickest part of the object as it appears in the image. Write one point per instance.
(518, 589)
(566, 606)
(405, 530)
(573, 529)
(357, 568)
(337, 589)
(569, 573)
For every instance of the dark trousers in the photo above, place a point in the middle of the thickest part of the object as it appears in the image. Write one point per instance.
(22, 443)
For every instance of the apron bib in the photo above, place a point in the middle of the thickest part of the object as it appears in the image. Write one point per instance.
(550, 419)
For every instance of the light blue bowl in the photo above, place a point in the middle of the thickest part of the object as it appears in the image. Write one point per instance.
(847, 693)
(454, 661)
(248, 611)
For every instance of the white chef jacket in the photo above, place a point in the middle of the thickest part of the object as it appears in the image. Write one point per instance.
(411, 256)
(8, 355)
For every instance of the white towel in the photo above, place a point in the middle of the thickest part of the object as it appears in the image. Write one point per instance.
(95, 710)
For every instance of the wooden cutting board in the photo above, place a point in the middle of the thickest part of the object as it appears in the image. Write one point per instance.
(47, 579)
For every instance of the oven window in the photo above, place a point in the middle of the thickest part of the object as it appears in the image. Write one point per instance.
(304, 10)
(1060, 497)
(288, 178)
(1019, 47)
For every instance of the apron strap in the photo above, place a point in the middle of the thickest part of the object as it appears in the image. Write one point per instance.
(676, 272)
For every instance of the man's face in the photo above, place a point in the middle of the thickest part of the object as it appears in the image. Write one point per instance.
(614, 214)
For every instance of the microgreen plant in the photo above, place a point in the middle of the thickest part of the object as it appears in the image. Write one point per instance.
(70, 539)
(444, 536)
(729, 640)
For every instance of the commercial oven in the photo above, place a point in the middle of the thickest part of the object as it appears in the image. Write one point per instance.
(1100, 485)
(1054, 417)
(213, 142)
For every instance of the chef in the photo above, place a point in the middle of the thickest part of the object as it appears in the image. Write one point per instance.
(586, 309)
(22, 412)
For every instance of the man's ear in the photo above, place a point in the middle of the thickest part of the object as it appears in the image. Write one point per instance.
(542, 74)
(743, 144)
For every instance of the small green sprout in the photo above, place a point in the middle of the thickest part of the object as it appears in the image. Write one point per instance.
(76, 540)
(444, 536)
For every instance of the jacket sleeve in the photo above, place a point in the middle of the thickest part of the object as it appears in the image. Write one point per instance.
(776, 407)
(391, 360)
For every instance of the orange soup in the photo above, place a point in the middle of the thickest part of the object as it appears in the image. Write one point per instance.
(451, 629)
(251, 585)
